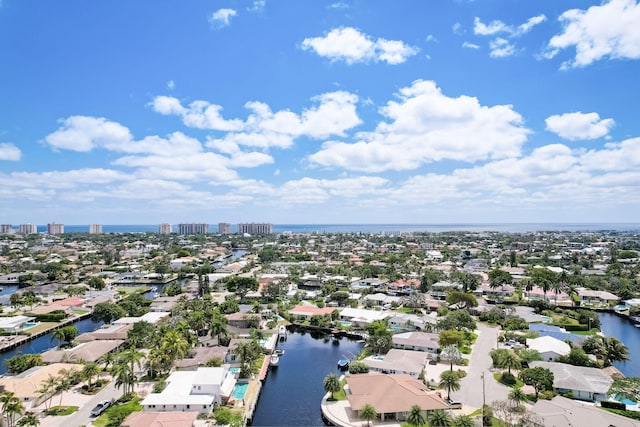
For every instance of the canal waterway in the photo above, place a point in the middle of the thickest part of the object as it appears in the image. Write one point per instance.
(623, 329)
(44, 343)
(292, 392)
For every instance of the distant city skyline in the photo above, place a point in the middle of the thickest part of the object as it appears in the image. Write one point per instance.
(289, 112)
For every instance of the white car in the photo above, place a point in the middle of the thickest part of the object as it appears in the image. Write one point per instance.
(101, 407)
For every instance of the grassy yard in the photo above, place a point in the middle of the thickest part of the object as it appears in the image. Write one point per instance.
(341, 395)
(498, 376)
(62, 410)
(40, 327)
(118, 413)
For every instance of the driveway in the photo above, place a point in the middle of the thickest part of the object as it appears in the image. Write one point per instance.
(86, 403)
(471, 386)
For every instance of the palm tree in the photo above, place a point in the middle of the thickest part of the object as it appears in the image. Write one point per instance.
(247, 352)
(174, 345)
(63, 384)
(452, 354)
(368, 413)
(517, 396)
(11, 406)
(463, 421)
(132, 357)
(218, 326)
(509, 360)
(331, 384)
(47, 390)
(124, 376)
(58, 334)
(107, 359)
(29, 420)
(450, 381)
(438, 418)
(416, 417)
(89, 371)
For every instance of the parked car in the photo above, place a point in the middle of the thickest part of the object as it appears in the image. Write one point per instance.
(101, 407)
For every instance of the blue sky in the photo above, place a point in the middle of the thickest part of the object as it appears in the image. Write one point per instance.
(283, 111)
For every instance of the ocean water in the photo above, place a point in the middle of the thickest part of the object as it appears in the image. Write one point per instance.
(381, 228)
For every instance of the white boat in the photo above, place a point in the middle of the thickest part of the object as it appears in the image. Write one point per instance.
(274, 360)
(282, 332)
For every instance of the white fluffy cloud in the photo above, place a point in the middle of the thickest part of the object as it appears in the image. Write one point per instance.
(470, 45)
(611, 29)
(425, 126)
(575, 126)
(333, 114)
(502, 46)
(84, 133)
(221, 18)
(350, 45)
(9, 152)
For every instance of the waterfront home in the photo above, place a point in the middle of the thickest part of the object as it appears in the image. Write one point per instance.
(549, 348)
(371, 283)
(563, 412)
(14, 324)
(25, 385)
(197, 390)
(89, 351)
(202, 355)
(439, 290)
(391, 395)
(545, 330)
(381, 300)
(152, 317)
(306, 312)
(361, 317)
(403, 287)
(161, 419)
(398, 361)
(418, 341)
(106, 332)
(242, 320)
(590, 296)
(583, 383)
(410, 322)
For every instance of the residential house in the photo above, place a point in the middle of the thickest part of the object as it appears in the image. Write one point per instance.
(439, 290)
(410, 322)
(403, 287)
(381, 300)
(242, 320)
(87, 351)
(398, 361)
(563, 412)
(418, 341)
(590, 296)
(556, 332)
(591, 384)
(392, 395)
(197, 390)
(14, 324)
(361, 317)
(549, 348)
(370, 283)
(26, 384)
(306, 312)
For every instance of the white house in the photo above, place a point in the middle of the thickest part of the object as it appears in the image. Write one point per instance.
(197, 390)
(398, 361)
(419, 341)
(14, 324)
(363, 317)
(584, 383)
(549, 348)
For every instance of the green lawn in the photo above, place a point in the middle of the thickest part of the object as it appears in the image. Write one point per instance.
(498, 376)
(62, 410)
(40, 327)
(341, 395)
(118, 412)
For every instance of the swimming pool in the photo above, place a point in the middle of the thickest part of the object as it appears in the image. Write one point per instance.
(239, 390)
(625, 400)
(29, 325)
(234, 370)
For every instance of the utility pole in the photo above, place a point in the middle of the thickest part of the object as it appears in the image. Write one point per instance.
(483, 396)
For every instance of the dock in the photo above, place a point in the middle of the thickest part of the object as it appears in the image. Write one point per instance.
(9, 342)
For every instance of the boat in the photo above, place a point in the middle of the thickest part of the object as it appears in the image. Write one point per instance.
(279, 352)
(282, 332)
(274, 360)
(637, 325)
(343, 364)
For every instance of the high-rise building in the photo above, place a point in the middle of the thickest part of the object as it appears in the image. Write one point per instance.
(55, 228)
(224, 228)
(28, 229)
(95, 228)
(193, 228)
(164, 229)
(255, 228)
(6, 229)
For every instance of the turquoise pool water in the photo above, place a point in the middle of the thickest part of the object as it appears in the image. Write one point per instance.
(234, 370)
(625, 400)
(29, 325)
(239, 390)
(345, 323)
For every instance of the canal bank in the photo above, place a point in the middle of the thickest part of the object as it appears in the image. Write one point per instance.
(292, 392)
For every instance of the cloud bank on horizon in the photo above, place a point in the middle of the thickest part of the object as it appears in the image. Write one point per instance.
(327, 113)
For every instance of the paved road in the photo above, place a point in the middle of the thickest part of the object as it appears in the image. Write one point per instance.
(471, 392)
